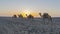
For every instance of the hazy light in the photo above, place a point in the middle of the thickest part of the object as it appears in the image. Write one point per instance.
(27, 12)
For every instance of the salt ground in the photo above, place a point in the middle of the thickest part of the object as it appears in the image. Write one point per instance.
(10, 25)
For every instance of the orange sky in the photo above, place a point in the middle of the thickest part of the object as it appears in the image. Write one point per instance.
(34, 13)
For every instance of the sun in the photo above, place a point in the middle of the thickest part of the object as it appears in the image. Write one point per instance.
(25, 13)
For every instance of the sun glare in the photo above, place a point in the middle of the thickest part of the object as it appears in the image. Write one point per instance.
(25, 13)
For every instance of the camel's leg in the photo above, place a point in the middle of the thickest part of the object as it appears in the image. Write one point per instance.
(43, 20)
(50, 20)
(46, 20)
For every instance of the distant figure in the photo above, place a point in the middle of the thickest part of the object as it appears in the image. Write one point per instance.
(30, 16)
(46, 16)
(20, 16)
(14, 16)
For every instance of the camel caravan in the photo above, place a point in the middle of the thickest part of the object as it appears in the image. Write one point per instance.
(15, 16)
(21, 16)
(44, 17)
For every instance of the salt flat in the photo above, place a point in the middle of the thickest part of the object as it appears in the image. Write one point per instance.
(9, 25)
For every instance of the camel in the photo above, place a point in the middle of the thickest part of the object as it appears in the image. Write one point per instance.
(46, 16)
(30, 16)
(20, 16)
(14, 16)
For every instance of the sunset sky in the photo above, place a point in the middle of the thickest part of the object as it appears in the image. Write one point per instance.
(11, 7)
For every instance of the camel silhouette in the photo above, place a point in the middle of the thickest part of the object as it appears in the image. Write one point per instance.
(20, 16)
(30, 16)
(15, 16)
(46, 16)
